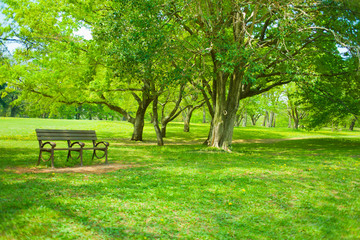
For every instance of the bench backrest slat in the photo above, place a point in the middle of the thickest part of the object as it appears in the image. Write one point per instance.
(54, 134)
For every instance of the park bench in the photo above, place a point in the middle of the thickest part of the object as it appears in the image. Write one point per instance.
(49, 135)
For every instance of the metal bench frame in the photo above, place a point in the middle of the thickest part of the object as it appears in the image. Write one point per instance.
(49, 135)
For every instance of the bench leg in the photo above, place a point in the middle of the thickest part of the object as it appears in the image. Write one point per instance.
(39, 160)
(81, 157)
(52, 158)
(93, 155)
(106, 157)
(68, 156)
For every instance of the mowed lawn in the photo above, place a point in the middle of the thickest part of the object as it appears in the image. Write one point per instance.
(304, 188)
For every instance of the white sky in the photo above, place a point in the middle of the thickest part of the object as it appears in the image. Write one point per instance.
(84, 32)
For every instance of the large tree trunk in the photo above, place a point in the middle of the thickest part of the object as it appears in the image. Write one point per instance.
(139, 124)
(222, 131)
(225, 110)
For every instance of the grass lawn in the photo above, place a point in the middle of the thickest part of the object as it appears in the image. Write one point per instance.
(305, 188)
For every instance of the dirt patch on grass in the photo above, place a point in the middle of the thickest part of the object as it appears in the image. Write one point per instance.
(96, 169)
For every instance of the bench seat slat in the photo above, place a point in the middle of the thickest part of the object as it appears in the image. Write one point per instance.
(63, 131)
(67, 138)
(66, 134)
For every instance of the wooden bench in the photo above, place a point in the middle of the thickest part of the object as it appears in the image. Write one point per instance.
(49, 135)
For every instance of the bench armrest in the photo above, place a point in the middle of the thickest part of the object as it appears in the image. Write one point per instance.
(52, 144)
(81, 144)
(105, 143)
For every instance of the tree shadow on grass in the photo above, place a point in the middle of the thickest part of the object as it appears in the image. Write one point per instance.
(57, 208)
(10, 157)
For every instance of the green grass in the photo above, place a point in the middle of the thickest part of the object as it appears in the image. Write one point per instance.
(299, 189)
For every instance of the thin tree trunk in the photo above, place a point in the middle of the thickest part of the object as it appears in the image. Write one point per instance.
(163, 130)
(245, 119)
(296, 123)
(334, 126)
(187, 123)
(352, 124)
(159, 137)
(13, 111)
(204, 115)
(266, 117)
(274, 121)
(253, 120)
(289, 124)
(270, 120)
(188, 118)
(238, 119)
(207, 141)
(188, 114)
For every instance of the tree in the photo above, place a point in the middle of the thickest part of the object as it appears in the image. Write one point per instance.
(256, 108)
(129, 54)
(133, 36)
(331, 100)
(252, 47)
(192, 101)
(295, 110)
(175, 110)
(8, 102)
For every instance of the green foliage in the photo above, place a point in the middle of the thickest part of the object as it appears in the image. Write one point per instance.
(331, 100)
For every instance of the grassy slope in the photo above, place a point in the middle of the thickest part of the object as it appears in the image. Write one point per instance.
(299, 189)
